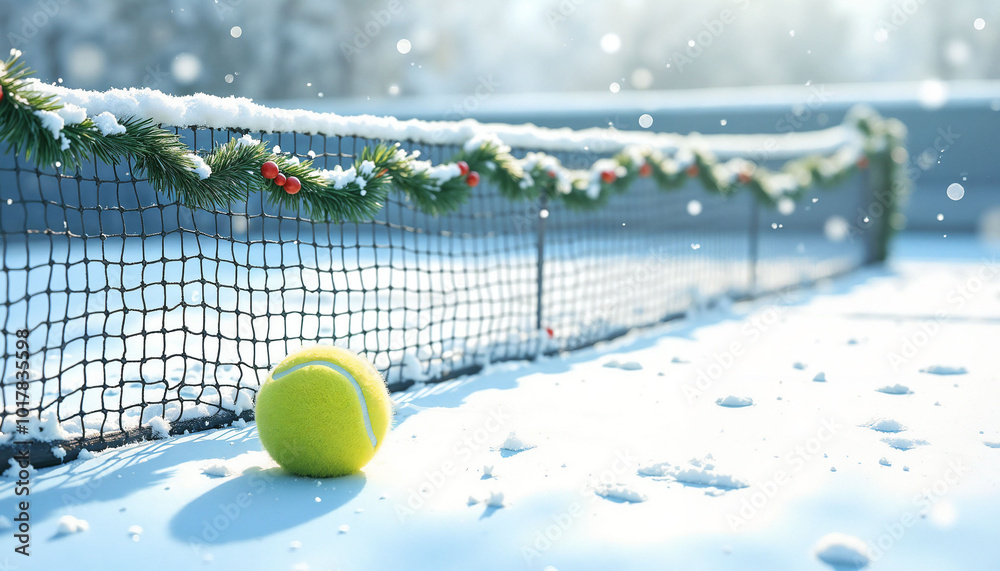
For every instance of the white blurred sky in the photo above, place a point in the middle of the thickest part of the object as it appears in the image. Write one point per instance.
(305, 48)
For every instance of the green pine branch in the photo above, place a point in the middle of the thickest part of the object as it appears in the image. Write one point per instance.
(235, 166)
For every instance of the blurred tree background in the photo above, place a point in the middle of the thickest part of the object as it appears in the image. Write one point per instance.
(283, 49)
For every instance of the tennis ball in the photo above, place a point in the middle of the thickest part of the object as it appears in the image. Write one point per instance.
(322, 412)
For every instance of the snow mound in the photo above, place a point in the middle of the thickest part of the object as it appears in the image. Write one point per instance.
(820, 377)
(900, 443)
(885, 462)
(49, 429)
(487, 471)
(733, 401)
(515, 444)
(842, 550)
(160, 427)
(85, 454)
(944, 370)
(896, 389)
(625, 365)
(413, 368)
(884, 425)
(697, 472)
(798, 365)
(68, 524)
(217, 470)
(107, 124)
(495, 500)
(344, 528)
(992, 444)
(620, 493)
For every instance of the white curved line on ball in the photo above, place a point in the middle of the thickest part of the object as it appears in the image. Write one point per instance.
(350, 377)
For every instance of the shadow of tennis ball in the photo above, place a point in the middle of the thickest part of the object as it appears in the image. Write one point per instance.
(259, 503)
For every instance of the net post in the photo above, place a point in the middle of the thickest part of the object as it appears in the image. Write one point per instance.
(876, 242)
(540, 265)
(753, 252)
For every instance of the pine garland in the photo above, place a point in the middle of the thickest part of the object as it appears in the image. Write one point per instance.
(49, 133)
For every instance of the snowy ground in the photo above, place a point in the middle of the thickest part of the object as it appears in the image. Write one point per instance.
(710, 443)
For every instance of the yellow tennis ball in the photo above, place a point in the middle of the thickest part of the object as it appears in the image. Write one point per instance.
(323, 411)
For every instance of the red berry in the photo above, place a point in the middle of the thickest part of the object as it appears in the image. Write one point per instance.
(863, 163)
(550, 332)
(646, 169)
(693, 170)
(463, 167)
(472, 179)
(280, 180)
(269, 169)
(552, 174)
(608, 176)
(744, 177)
(292, 185)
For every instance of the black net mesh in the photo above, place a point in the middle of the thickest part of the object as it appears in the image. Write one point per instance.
(143, 316)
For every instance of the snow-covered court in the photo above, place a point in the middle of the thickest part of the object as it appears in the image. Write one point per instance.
(847, 424)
